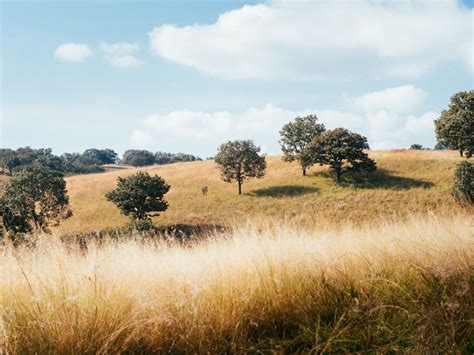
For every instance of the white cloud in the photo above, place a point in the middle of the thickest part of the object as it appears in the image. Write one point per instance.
(72, 52)
(404, 98)
(119, 54)
(330, 39)
(386, 126)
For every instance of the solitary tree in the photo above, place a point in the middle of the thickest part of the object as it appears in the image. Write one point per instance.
(240, 160)
(342, 150)
(455, 127)
(138, 157)
(35, 198)
(296, 135)
(416, 147)
(138, 196)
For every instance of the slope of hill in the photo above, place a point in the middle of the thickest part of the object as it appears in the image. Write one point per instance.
(407, 181)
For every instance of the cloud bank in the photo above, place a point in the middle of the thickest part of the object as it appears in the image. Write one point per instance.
(375, 115)
(319, 40)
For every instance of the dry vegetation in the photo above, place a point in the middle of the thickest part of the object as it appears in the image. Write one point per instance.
(306, 267)
(407, 182)
(398, 286)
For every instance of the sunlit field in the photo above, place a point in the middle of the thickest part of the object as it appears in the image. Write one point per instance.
(302, 265)
(407, 182)
(400, 286)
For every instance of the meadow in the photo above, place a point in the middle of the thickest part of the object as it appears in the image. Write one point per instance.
(302, 266)
(406, 182)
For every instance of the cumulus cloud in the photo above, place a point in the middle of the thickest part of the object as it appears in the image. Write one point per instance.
(404, 98)
(120, 54)
(317, 40)
(72, 52)
(385, 125)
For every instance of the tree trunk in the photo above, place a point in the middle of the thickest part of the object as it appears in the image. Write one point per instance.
(304, 171)
(461, 152)
(240, 187)
(338, 176)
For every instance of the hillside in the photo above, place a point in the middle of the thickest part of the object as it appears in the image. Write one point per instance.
(407, 181)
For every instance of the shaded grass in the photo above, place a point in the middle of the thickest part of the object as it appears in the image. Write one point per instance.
(381, 179)
(403, 286)
(284, 191)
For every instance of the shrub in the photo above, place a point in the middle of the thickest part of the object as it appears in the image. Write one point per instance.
(463, 184)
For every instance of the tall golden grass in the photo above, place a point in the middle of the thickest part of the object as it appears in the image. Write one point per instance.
(402, 285)
(407, 182)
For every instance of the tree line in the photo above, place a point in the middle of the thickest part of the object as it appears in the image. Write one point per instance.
(35, 198)
(90, 161)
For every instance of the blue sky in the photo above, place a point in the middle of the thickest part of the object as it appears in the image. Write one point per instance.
(188, 75)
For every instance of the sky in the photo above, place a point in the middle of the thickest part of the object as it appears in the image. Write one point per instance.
(186, 76)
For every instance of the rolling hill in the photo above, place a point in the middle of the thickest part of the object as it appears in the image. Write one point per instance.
(406, 181)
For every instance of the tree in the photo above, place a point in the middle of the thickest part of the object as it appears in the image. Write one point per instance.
(138, 157)
(463, 184)
(342, 150)
(138, 195)
(240, 160)
(455, 127)
(296, 135)
(35, 198)
(416, 147)
(439, 146)
(94, 156)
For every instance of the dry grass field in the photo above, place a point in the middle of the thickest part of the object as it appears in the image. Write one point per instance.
(407, 182)
(406, 286)
(305, 267)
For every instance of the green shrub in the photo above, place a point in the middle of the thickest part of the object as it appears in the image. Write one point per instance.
(463, 184)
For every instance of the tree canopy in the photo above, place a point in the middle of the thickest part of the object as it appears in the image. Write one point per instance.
(239, 160)
(35, 198)
(455, 126)
(135, 157)
(139, 195)
(342, 150)
(296, 135)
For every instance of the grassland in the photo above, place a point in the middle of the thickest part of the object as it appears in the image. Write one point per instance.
(407, 182)
(306, 266)
(405, 286)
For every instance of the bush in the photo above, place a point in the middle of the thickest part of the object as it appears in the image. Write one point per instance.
(463, 184)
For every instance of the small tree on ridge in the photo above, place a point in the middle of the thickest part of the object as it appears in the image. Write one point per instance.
(342, 150)
(240, 160)
(296, 135)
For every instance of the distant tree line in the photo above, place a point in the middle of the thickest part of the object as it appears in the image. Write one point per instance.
(90, 161)
(136, 157)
